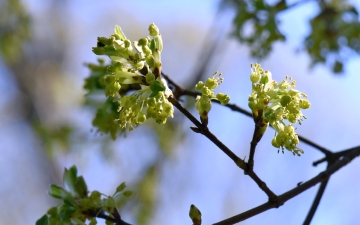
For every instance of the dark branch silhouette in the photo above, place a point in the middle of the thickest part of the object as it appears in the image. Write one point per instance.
(335, 160)
(294, 192)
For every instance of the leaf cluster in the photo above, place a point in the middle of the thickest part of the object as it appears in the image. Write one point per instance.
(334, 31)
(261, 17)
(15, 29)
(78, 205)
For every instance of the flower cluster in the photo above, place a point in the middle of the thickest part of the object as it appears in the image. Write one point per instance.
(273, 102)
(138, 64)
(203, 102)
(132, 107)
(77, 205)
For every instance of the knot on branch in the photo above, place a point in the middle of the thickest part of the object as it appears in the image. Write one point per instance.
(200, 130)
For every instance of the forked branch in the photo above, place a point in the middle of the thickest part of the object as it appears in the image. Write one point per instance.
(294, 192)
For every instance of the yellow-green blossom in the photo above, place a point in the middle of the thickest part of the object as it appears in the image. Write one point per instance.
(203, 103)
(136, 63)
(273, 102)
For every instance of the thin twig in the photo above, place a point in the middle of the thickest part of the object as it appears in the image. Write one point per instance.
(253, 144)
(316, 202)
(206, 132)
(294, 192)
(331, 159)
(200, 128)
(179, 91)
(333, 156)
(99, 213)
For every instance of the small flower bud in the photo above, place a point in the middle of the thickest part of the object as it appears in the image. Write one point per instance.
(147, 51)
(274, 143)
(304, 104)
(195, 215)
(223, 98)
(150, 61)
(143, 42)
(285, 100)
(112, 89)
(207, 92)
(127, 43)
(158, 42)
(211, 83)
(141, 118)
(153, 30)
(199, 85)
(252, 105)
(150, 77)
(254, 77)
(292, 118)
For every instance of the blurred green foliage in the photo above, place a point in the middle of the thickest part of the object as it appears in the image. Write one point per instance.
(78, 205)
(336, 28)
(147, 191)
(55, 137)
(166, 137)
(15, 28)
(262, 19)
(334, 31)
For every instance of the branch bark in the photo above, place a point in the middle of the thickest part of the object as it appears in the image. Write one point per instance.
(204, 130)
(294, 192)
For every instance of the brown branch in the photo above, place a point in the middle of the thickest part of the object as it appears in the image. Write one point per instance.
(248, 167)
(294, 192)
(204, 130)
(99, 213)
(253, 144)
(331, 159)
(180, 91)
(316, 202)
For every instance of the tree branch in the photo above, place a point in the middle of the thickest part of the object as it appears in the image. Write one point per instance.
(294, 192)
(200, 128)
(101, 214)
(274, 200)
(316, 202)
(253, 144)
(180, 91)
(331, 159)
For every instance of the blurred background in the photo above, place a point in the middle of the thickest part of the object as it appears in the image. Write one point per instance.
(46, 121)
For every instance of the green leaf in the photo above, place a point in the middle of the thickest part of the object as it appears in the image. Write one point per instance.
(264, 79)
(81, 187)
(108, 50)
(66, 212)
(61, 193)
(44, 220)
(121, 187)
(55, 191)
(119, 32)
(70, 180)
(67, 198)
(155, 87)
(53, 211)
(152, 45)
